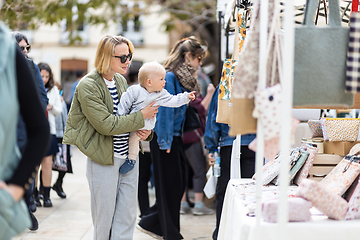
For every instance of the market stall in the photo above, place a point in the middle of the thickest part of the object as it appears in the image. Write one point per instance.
(242, 216)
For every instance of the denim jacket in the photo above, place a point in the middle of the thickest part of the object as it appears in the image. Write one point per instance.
(170, 121)
(216, 134)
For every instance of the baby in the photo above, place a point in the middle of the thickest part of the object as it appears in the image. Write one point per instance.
(150, 88)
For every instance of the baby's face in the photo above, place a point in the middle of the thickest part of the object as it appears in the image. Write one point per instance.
(158, 82)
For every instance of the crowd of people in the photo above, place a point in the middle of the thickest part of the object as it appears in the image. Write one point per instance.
(130, 134)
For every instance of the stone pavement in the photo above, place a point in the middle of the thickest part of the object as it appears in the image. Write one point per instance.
(70, 218)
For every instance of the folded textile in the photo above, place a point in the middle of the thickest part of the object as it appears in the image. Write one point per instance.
(299, 210)
(327, 202)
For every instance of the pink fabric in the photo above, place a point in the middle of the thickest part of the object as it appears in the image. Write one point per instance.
(327, 202)
(272, 145)
(354, 205)
(338, 181)
(299, 210)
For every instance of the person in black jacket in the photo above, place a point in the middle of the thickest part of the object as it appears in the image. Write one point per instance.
(25, 48)
(36, 127)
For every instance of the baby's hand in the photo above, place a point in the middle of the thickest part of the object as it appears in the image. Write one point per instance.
(192, 95)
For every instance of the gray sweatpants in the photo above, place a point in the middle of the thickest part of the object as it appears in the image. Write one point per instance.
(113, 200)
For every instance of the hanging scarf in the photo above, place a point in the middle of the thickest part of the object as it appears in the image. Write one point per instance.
(185, 75)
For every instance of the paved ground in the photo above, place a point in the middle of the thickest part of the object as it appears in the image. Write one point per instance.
(70, 218)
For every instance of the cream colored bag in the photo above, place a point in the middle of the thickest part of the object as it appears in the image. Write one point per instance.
(246, 75)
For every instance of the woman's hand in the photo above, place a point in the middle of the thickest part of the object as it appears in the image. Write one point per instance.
(15, 191)
(149, 111)
(210, 89)
(168, 150)
(207, 99)
(143, 134)
(211, 159)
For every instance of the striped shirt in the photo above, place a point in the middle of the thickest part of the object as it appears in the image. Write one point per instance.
(121, 141)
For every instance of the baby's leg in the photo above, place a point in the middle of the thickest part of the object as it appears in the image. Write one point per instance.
(133, 152)
(133, 146)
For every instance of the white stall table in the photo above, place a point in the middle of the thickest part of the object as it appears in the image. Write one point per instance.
(237, 225)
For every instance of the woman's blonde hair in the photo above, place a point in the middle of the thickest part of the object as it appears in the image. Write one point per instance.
(106, 49)
(177, 54)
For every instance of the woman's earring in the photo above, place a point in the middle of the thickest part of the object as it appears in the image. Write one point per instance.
(188, 63)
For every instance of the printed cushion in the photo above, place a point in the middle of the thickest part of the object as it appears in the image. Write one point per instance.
(299, 210)
(327, 202)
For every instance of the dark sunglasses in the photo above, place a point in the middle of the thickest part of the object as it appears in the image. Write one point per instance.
(28, 48)
(123, 58)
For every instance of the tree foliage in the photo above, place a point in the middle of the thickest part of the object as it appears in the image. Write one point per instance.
(198, 16)
(30, 14)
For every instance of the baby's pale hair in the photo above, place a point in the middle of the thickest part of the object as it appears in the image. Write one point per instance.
(146, 71)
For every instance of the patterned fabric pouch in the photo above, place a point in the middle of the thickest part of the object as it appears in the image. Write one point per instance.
(297, 159)
(315, 128)
(342, 129)
(299, 210)
(270, 170)
(323, 128)
(304, 171)
(343, 175)
(354, 204)
(297, 165)
(327, 202)
(268, 104)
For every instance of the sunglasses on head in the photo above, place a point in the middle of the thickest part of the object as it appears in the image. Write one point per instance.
(28, 48)
(123, 58)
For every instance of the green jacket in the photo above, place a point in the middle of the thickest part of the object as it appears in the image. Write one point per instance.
(91, 124)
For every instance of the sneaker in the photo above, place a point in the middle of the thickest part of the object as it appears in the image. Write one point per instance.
(127, 166)
(185, 208)
(202, 210)
(151, 234)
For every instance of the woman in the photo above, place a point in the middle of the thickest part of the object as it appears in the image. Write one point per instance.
(163, 219)
(18, 94)
(25, 47)
(94, 127)
(62, 160)
(195, 156)
(54, 108)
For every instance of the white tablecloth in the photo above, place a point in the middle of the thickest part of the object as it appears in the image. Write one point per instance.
(235, 224)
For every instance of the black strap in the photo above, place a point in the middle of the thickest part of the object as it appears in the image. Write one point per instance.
(351, 159)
